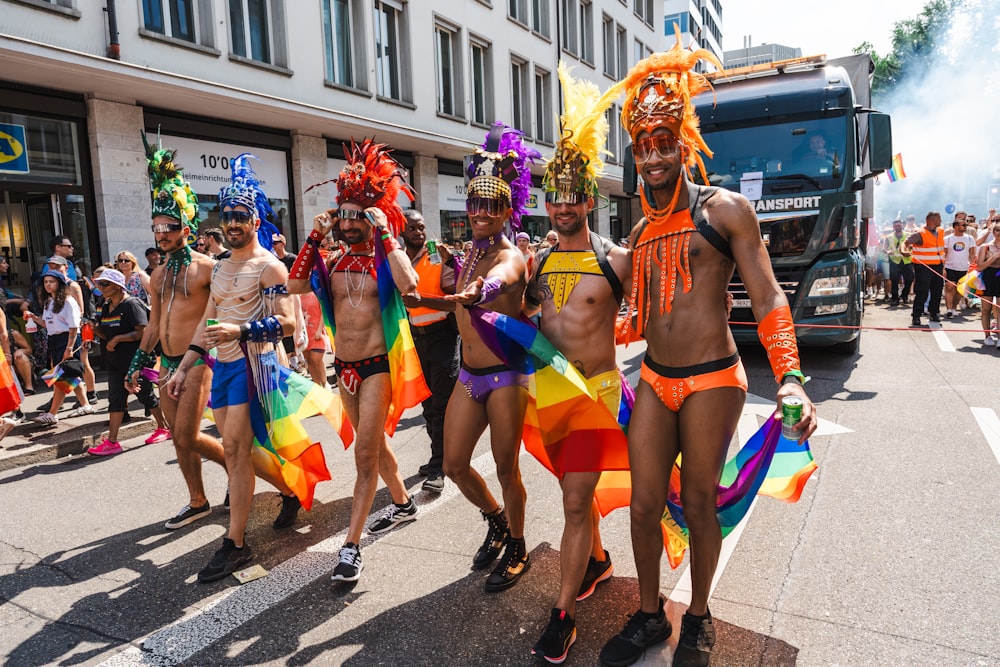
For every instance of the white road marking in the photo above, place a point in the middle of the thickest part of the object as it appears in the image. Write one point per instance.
(989, 424)
(178, 642)
(941, 337)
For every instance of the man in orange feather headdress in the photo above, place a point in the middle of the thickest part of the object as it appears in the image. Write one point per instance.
(692, 387)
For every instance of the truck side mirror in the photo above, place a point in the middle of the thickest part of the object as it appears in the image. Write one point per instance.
(879, 141)
(630, 177)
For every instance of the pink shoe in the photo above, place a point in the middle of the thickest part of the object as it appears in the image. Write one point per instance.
(159, 435)
(106, 448)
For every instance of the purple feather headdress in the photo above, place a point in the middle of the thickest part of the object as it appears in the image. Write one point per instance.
(501, 169)
(245, 190)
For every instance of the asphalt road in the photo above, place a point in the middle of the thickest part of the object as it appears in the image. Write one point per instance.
(890, 558)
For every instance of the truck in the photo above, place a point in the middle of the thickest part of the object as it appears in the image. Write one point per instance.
(798, 138)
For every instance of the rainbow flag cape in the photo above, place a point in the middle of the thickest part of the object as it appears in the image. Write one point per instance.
(279, 400)
(768, 464)
(567, 427)
(896, 171)
(10, 397)
(408, 386)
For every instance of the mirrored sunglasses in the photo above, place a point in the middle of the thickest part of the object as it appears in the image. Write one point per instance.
(487, 206)
(571, 198)
(239, 217)
(665, 144)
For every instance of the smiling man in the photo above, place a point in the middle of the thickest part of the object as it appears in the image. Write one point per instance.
(487, 392)
(692, 383)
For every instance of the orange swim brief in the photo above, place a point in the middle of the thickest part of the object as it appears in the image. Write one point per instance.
(674, 384)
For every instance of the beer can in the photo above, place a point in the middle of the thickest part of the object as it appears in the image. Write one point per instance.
(432, 251)
(211, 322)
(791, 414)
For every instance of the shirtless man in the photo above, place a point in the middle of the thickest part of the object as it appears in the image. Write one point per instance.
(366, 200)
(250, 302)
(578, 285)
(488, 393)
(692, 384)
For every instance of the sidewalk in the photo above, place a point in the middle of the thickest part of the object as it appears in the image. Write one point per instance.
(32, 443)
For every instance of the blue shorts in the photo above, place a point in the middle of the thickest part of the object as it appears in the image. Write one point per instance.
(229, 383)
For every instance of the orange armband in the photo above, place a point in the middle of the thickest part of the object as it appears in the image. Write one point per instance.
(777, 333)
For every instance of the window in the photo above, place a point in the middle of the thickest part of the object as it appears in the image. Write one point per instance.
(639, 51)
(339, 17)
(622, 45)
(587, 31)
(569, 26)
(608, 46)
(449, 77)
(520, 95)
(644, 10)
(540, 16)
(388, 46)
(612, 117)
(543, 106)
(251, 37)
(174, 18)
(680, 19)
(482, 82)
(518, 10)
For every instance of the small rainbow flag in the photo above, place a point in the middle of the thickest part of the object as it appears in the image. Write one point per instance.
(768, 464)
(54, 378)
(896, 171)
(408, 386)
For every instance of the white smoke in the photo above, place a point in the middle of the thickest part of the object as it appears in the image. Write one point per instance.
(945, 123)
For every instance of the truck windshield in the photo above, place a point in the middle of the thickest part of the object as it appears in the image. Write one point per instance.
(800, 156)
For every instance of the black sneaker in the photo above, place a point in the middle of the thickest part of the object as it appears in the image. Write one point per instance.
(915, 322)
(424, 470)
(935, 318)
(226, 560)
(559, 635)
(225, 503)
(289, 511)
(597, 571)
(694, 646)
(434, 483)
(496, 535)
(392, 516)
(350, 565)
(188, 515)
(92, 397)
(641, 632)
(512, 566)
(126, 418)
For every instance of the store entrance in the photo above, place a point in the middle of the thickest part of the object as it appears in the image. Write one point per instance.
(27, 223)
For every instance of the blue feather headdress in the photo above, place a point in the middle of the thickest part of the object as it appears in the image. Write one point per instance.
(245, 191)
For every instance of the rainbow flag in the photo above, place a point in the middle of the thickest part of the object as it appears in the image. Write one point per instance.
(54, 378)
(567, 427)
(10, 397)
(768, 464)
(896, 171)
(277, 408)
(971, 282)
(408, 386)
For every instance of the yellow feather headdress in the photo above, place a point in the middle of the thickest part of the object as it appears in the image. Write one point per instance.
(577, 163)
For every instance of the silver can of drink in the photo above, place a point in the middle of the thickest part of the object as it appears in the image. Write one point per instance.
(791, 414)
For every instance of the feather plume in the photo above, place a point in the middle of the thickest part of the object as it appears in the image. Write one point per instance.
(372, 177)
(172, 195)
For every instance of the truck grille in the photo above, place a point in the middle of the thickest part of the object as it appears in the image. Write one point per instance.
(788, 279)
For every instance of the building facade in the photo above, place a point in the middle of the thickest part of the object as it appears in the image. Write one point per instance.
(759, 55)
(289, 81)
(700, 23)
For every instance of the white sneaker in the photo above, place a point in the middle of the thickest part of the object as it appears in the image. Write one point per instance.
(6, 426)
(82, 411)
(989, 342)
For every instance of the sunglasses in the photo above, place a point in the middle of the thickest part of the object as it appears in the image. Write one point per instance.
(485, 206)
(350, 214)
(124, 260)
(162, 228)
(571, 198)
(239, 217)
(666, 145)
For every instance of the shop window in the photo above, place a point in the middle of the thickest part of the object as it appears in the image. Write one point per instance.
(482, 81)
(390, 77)
(344, 66)
(448, 68)
(257, 28)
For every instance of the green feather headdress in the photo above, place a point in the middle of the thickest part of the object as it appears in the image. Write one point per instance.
(172, 195)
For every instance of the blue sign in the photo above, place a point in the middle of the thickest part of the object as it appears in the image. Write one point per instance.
(13, 149)
(949, 209)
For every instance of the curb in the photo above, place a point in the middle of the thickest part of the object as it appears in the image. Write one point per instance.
(16, 452)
